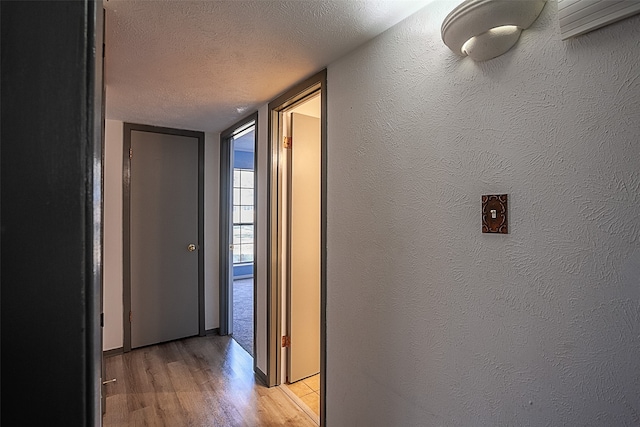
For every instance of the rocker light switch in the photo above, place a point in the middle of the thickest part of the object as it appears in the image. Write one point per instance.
(494, 214)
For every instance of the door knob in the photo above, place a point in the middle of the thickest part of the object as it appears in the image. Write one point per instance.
(191, 247)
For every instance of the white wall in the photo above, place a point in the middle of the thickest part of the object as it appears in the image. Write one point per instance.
(431, 322)
(112, 273)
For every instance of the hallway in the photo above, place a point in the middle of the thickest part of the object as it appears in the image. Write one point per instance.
(200, 381)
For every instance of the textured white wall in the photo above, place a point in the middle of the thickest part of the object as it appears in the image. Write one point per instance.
(112, 272)
(431, 322)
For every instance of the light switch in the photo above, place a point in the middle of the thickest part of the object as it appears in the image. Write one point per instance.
(494, 214)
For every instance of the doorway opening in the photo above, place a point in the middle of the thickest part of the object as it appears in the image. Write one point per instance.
(297, 242)
(238, 201)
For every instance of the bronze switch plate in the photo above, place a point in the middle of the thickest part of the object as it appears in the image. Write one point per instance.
(494, 214)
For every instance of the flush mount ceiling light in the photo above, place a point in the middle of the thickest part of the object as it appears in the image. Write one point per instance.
(484, 29)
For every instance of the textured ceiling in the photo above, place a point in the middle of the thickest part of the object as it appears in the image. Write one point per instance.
(204, 65)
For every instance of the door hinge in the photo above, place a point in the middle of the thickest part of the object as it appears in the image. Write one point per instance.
(288, 141)
(130, 316)
(130, 153)
(286, 341)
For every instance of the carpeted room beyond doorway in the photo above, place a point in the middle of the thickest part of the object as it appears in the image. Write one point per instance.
(243, 313)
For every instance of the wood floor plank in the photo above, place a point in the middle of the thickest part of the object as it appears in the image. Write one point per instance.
(200, 381)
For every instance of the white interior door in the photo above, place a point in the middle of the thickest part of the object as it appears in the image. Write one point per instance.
(304, 246)
(164, 225)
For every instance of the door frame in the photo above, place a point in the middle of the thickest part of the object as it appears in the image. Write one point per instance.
(275, 273)
(226, 225)
(126, 222)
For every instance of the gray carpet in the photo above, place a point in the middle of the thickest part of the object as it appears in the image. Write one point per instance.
(243, 313)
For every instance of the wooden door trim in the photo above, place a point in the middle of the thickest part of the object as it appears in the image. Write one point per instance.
(126, 223)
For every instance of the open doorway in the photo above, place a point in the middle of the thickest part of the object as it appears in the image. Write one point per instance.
(301, 318)
(297, 234)
(238, 200)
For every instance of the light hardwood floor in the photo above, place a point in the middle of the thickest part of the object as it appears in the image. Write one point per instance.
(201, 381)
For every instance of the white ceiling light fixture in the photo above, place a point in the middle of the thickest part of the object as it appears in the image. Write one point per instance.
(484, 29)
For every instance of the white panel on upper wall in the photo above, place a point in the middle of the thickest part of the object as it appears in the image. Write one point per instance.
(577, 17)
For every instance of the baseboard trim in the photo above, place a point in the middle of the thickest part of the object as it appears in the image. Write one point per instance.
(214, 331)
(113, 352)
(262, 377)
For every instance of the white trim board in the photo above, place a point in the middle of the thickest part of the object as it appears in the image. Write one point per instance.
(577, 17)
